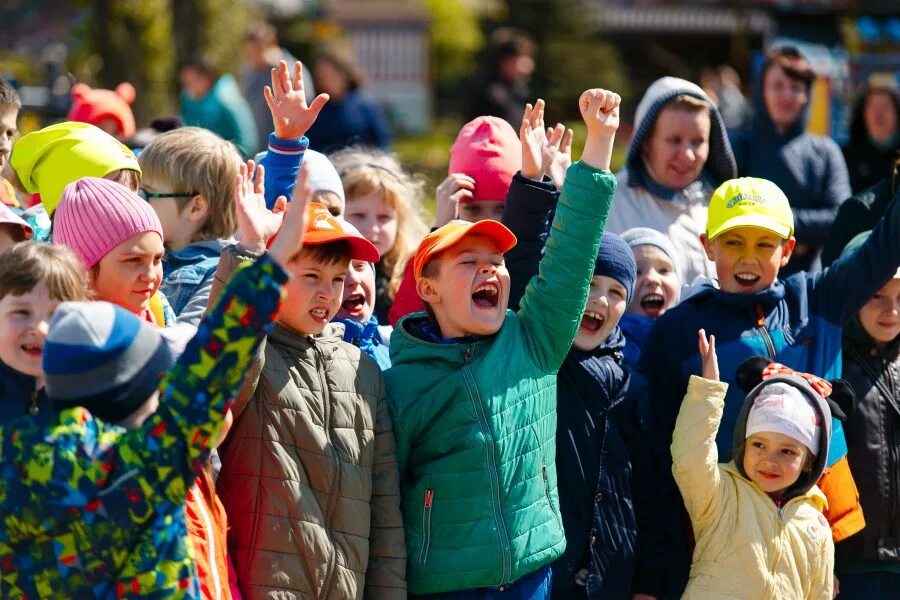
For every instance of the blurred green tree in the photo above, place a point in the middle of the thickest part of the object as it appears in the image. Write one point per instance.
(456, 38)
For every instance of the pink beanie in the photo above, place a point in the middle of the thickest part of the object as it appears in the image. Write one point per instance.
(489, 151)
(96, 215)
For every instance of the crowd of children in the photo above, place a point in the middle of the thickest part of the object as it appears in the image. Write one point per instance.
(267, 379)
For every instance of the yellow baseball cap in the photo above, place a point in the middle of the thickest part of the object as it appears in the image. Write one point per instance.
(51, 158)
(749, 202)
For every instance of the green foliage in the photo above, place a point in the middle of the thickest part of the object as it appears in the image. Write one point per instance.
(456, 39)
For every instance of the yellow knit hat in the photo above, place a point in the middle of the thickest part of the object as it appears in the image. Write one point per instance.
(49, 159)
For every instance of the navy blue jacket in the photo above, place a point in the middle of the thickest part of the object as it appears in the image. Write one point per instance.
(18, 394)
(599, 421)
(808, 168)
(355, 119)
(797, 321)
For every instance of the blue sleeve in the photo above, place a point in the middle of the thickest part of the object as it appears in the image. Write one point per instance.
(282, 163)
(842, 289)
(527, 214)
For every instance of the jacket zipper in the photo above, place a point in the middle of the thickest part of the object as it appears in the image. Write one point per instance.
(764, 333)
(332, 501)
(502, 534)
(33, 409)
(547, 495)
(426, 526)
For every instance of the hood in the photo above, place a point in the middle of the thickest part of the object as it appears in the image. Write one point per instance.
(858, 132)
(806, 480)
(720, 165)
(856, 334)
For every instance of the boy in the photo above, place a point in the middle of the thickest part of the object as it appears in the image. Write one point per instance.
(188, 179)
(865, 562)
(472, 390)
(91, 509)
(312, 449)
(34, 279)
(10, 104)
(796, 321)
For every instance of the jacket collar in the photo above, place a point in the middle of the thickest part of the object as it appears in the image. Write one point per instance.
(767, 299)
(813, 494)
(413, 342)
(202, 248)
(614, 343)
(284, 336)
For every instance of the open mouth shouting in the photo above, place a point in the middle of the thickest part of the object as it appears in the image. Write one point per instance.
(591, 322)
(354, 305)
(746, 280)
(32, 350)
(486, 295)
(319, 314)
(653, 304)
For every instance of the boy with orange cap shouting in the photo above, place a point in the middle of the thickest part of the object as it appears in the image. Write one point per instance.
(473, 389)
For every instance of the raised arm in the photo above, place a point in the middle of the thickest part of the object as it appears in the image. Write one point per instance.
(553, 303)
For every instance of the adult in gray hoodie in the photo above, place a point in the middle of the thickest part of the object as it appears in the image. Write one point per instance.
(678, 155)
(809, 169)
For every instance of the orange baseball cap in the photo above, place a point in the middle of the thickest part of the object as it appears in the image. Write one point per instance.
(453, 232)
(322, 228)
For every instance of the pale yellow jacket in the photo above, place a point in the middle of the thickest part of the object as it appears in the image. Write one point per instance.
(747, 548)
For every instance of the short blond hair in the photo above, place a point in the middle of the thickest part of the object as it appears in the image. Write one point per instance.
(27, 264)
(191, 160)
(688, 103)
(365, 172)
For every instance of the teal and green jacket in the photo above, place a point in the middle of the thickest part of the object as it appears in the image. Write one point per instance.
(89, 509)
(475, 423)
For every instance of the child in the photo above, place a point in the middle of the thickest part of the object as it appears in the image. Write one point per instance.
(656, 290)
(93, 509)
(677, 157)
(473, 389)
(119, 239)
(10, 104)
(12, 228)
(312, 447)
(796, 321)
(357, 307)
(188, 179)
(34, 279)
(865, 563)
(48, 160)
(383, 203)
(109, 110)
(757, 520)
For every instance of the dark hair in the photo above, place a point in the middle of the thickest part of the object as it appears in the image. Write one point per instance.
(509, 42)
(341, 60)
(792, 62)
(332, 253)
(203, 65)
(9, 98)
(27, 264)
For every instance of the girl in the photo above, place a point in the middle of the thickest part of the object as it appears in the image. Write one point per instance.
(758, 522)
(656, 290)
(119, 239)
(384, 203)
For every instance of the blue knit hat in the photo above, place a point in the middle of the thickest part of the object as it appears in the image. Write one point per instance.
(104, 358)
(616, 260)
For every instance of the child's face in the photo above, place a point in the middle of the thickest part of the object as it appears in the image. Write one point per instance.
(179, 229)
(358, 301)
(483, 209)
(131, 272)
(880, 116)
(470, 292)
(8, 131)
(784, 97)
(880, 316)
(677, 150)
(656, 288)
(375, 219)
(313, 294)
(748, 258)
(24, 321)
(774, 461)
(605, 306)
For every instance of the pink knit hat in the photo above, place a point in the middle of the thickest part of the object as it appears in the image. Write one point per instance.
(96, 215)
(489, 151)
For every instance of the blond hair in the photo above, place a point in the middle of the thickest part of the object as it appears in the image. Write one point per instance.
(27, 264)
(365, 172)
(190, 160)
(688, 103)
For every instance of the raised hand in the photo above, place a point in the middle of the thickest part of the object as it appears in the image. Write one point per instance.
(709, 363)
(256, 223)
(600, 111)
(291, 117)
(533, 137)
(453, 190)
(556, 156)
(290, 236)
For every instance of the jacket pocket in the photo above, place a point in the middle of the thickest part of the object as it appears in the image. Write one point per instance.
(426, 525)
(547, 496)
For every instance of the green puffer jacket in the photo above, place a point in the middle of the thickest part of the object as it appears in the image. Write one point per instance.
(475, 423)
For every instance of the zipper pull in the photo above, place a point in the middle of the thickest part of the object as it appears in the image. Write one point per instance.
(33, 409)
(470, 353)
(760, 316)
(429, 498)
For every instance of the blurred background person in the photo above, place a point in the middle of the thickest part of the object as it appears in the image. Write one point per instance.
(504, 89)
(874, 138)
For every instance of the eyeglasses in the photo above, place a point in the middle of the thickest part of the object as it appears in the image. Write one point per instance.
(147, 196)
